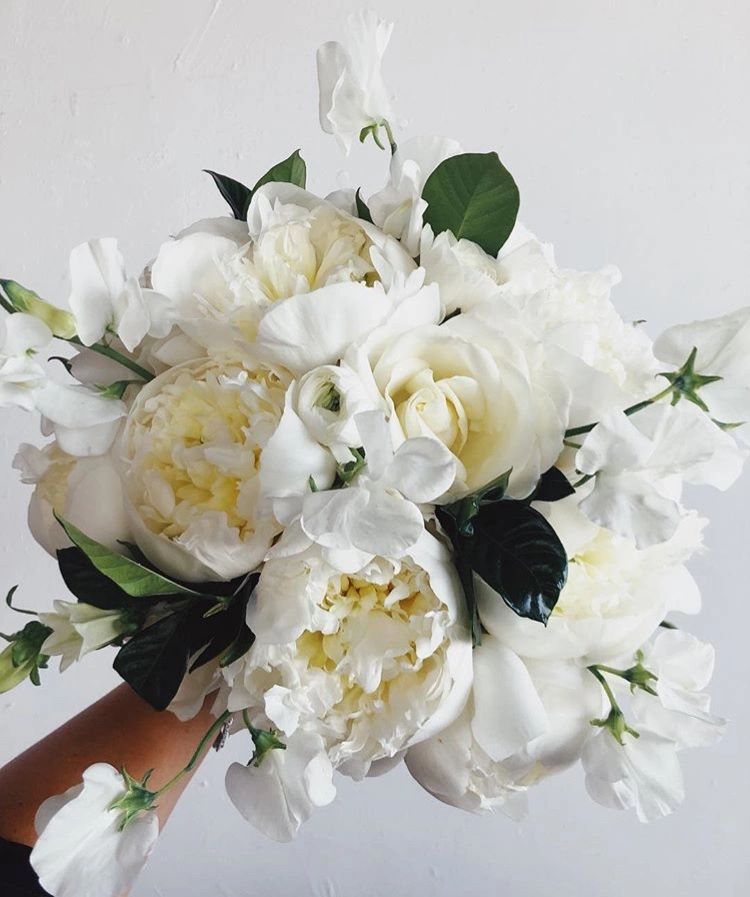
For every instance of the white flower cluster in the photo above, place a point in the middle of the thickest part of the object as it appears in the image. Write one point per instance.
(359, 412)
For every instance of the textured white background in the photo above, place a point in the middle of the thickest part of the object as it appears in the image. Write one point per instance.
(626, 127)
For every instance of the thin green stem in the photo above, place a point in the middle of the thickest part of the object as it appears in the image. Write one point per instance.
(584, 479)
(391, 139)
(633, 409)
(215, 726)
(109, 352)
(595, 671)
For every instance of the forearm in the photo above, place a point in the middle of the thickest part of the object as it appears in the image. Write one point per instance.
(120, 729)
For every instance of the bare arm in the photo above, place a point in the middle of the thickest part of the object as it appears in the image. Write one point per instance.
(120, 729)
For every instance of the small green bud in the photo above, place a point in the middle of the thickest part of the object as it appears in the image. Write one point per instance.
(19, 299)
(329, 399)
(22, 658)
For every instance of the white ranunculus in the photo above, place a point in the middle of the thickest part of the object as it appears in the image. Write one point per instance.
(398, 208)
(615, 595)
(21, 338)
(105, 300)
(723, 350)
(81, 851)
(523, 722)
(85, 491)
(353, 94)
(84, 422)
(467, 385)
(191, 450)
(78, 629)
(372, 662)
(643, 773)
(680, 711)
(640, 462)
(281, 792)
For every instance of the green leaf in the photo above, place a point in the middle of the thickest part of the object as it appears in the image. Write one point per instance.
(88, 584)
(362, 209)
(237, 195)
(474, 196)
(516, 552)
(154, 661)
(133, 578)
(465, 509)
(291, 171)
(553, 485)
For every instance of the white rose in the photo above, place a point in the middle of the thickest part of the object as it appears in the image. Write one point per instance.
(85, 491)
(372, 662)
(614, 598)
(191, 450)
(465, 384)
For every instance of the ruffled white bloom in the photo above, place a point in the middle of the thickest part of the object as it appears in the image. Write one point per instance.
(105, 300)
(81, 851)
(195, 687)
(21, 338)
(353, 94)
(683, 667)
(723, 350)
(639, 464)
(643, 773)
(398, 208)
(378, 515)
(281, 792)
(524, 721)
(87, 492)
(615, 595)
(78, 629)
(468, 386)
(84, 422)
(192, 448)
(371, 662)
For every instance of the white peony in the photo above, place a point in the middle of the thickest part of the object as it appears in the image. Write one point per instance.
(398, 208)
(353, 95)
(82, 850)
(615, 595)
(191, 450)
(86, 491)
(372, 662)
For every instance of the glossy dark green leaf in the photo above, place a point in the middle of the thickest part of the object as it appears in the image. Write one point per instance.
(88, 584)
(291, 170)
(362, 209)
(553, 485)
(133, 578)
(237, 195)
(474, 196)
(154, 661)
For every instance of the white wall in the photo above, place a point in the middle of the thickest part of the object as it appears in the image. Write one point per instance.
(625, 125)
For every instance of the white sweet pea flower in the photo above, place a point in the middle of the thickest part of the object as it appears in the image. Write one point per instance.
(82, 851)
(353, 95)
(640, 462)
(642, 773)
(280, 793)
(191, 451)
(195, 687)
(21, 338)
(84, 422)
(680, 711)
(372, 662)
(105, 300)
(379, 513)
(723, 351)
(614, 597)
(523, 722)
(78, 629)
(398, 208)
(86, 491)
(492, 403)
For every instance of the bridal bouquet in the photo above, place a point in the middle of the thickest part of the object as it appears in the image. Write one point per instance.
(383, 480)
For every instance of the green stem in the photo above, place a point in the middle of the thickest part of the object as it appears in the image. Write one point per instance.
(595, 671)
(109, 352)
(391, 138)
(215, 726)
(633, 409)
